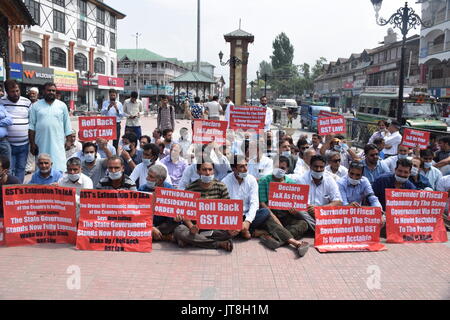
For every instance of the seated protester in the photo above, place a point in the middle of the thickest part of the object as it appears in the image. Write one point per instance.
(258, 165)
(116, 178)
(338, 145)
(285, 151)
(393, 140)
(185, 143)
(316, 144)
(168, 140)
(282, 225)
(143, 141)
(156, 136)
(243, 186)
(5, 179)
(45, 175)
(443, 185)
(162, 148)
(302, 145)
(356, 189)
(403, 153)
(396, 180)
(72, 146)
(221, 163)
(104, 150)
(209, 188)
(418, 179)
(271, 151)
(130, 155)
(334, 166)
(74, 178)
(432, 173)
(380, 133)
(379, 142)
(303, 164)
(175, 164)
(149, 158)
(373, 166)
(442, 157)
(92, 166)
(323, 190)
(163, 227)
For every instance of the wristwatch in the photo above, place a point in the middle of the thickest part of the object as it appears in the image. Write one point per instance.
(129, 160)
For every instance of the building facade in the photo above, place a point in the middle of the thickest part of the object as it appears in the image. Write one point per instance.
(73, 44)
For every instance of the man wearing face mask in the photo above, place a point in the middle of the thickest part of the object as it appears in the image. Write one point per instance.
(432, 173)
(92, 166)
(130, 155)
(74, 178)
(356, 189)
(259, 165)
(49, 127)
(285, 151)
(185, 143)
(338, 144)
(46, 173)
(242, 186)
(397, 180)
(150, 154)
(418, 179)
(403, 153)
(175, 164)
(116, 178)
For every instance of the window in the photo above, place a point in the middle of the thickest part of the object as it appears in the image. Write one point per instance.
(32, 53)
(60, 2)
(112, 21)
(59, 21)
(82, 7)
(112, 40)
(101, 16)
(100, 36)
(58, 58)
(34, 8)
(82, 30)
(112, 68)
(127, 83)
(154, 65)
(99, 66)
(80, 62)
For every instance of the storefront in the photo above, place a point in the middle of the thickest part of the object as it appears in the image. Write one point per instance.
(67, 86)
(33, 76)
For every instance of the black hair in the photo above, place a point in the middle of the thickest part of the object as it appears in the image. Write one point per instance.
(404, 163)
(197, 99)
(49, 84)
(317, 158)
(146, 137)
(10, 84)
(302, 142)
(369, 147)
(114, 158)
(426, 153)
(444, 139)
(285, 160)
(134, 95)
(90, 144)
(199, 165)
(112, 91)
(5, 162)
(166, 131)
(236, 160)
(378, 141)
(131, 136)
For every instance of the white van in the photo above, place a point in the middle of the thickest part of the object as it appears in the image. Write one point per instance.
(284, 104)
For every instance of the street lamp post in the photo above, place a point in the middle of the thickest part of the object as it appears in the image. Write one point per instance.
(233, 61)
(252, 83)
(89, 76)
(404, 19)
(265, 81)
(157, 92)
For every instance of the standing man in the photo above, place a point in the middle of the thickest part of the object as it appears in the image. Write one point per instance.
(33, 94)
(228, 109)
(269, 113)
(196, 111)
(114, 108)
(49, 127)
(214, 109)
(133, 110)
(392, 141)
(166, 115)
(19, 109)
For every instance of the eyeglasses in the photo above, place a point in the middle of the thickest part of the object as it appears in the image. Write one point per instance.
(358, 165)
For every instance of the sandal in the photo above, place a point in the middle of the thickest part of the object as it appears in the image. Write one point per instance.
(226, 245)
(270, 243)
(302, 248)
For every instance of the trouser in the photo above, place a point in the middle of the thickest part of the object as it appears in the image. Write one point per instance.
(19, 155)
(165, 225)
(214, 118)
(136, 130)
(303, 215)
(5, 148)
(201, 240)
(31, 161)
(261, 216)
(292, 229)
(116, 142)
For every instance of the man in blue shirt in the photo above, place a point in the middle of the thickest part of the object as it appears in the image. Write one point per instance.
(46, 175)
(397, 180)
(5, 121)
(163, 227)
(114, 108)
(373, 166)
(355, 189)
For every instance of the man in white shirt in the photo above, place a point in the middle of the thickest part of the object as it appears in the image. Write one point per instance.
(432, 173)
(334, 165)
(214, 109)
(303, 164)
(243, 186)
(323, 190)
(133, 109)
(269, 113)
(149, 158)
(114, 108)
(392, 141)
(444, 186)
(259, 165)
(403, 153)
(227, 111)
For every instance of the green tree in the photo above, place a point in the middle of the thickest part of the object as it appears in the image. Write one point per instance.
(317, 69)
(265, 68)
(283, 51)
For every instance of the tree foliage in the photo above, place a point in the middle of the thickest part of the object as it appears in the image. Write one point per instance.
(283, 51)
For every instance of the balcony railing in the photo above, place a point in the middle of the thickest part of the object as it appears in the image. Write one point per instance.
(434, 49)
(443, 82)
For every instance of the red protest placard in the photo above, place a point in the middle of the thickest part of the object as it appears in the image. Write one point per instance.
(115, 221)
(207, 131)
(413, 138)
(324, 114)
(39, 214)
(173, 202)
(331, 125)
(2, 233)
(284, 196)
(91, 128)
(348, 229)
(220, 214)
(415, 216)
(247, 118)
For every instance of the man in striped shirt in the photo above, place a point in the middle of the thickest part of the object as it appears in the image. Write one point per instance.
(18, 108)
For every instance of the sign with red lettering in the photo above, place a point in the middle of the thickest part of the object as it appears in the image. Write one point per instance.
(415, 216)
(348, 229)
(91, 128)
(331, 125)
(284, 196)
(324, 114)
(173, 202)
(2, 233)
(220, 214)
(247, 118)
(115, 221)
(207, 131)
(39, 214)
(413, 138)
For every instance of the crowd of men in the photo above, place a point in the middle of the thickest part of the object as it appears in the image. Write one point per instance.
(242, 169)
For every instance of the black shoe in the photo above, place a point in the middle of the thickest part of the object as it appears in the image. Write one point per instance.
(303, 248)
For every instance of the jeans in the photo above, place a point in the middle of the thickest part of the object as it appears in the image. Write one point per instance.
(5, 149)
(19, 156)
(261, 216)
(136, 130)
(116, 142)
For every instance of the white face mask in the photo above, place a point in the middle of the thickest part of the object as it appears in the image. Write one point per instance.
(279, 173)
(126, 147)
(354, 182)
(147, 162)
(400, 179)
(402, 156)
(414, 171)
(317, 175)
(115, 175)
(286, 153)
(207, 179)
(243, 175)
(89, 157)
(427, 165)
(74, 177)
(151, 184)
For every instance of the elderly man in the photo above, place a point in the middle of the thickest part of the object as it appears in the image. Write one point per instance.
(49, 127)
(72, 146)
(189, 233)
(33, 94)
(334, 165)
(46, 173)
(116, 178)
(133, 110)
(175, 164)
(114, 108)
